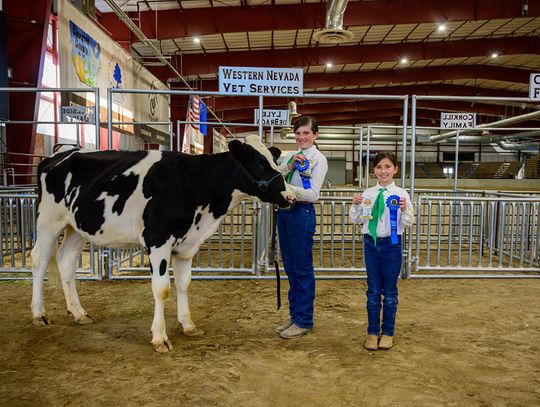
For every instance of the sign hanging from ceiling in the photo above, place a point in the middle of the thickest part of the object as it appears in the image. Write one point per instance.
(534, 86)
(451, 120)
(273, 117)
(242, 80)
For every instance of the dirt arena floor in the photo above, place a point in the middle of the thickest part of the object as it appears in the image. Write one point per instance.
(458, 343)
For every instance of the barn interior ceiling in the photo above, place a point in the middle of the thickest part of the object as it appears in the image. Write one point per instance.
(437, 47)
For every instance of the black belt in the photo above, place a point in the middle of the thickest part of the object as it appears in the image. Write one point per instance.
(385, 239)
(304, 203)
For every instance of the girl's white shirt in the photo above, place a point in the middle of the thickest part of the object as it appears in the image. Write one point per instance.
(318, 173)
(405, 219)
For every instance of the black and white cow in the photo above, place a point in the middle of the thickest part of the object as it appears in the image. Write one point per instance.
(168, 202)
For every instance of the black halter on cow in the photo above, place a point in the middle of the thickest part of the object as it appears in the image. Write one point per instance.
(167, 202)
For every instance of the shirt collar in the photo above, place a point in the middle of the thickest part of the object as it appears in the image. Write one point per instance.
(310, 150)
(392, 184)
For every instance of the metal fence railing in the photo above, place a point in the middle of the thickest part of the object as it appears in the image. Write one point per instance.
(18, 212)
(457, 234)
(467, 236)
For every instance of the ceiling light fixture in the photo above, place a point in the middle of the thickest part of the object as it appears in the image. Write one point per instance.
(196, 40)
(494, 55)
(404, 60)
(329, 64)
(441, 27)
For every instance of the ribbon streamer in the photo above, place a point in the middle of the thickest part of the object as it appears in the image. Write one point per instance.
(392, 202)
(302, 167)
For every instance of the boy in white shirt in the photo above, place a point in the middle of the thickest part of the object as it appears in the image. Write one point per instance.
(385, 210)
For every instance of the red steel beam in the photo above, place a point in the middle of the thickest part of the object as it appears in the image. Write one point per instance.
(198, 64)
(390, 76)
(231, 103)
(363, 106)
(180, 23)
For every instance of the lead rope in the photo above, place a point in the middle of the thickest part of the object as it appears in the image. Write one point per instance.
(273, 257)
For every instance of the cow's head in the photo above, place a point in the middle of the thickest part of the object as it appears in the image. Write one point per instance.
(260, 175)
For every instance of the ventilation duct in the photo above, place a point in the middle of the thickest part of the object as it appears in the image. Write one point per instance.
(333, 32)
(523, 147)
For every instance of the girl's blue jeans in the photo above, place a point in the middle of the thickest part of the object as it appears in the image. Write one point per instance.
(383, 265)
(296, 227)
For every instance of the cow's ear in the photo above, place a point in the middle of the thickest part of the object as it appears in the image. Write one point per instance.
(236, 147)
(276, 153)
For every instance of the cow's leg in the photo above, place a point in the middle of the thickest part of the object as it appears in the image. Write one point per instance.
(67, 257)
(159, 262)
(182, 280)
(44, 249)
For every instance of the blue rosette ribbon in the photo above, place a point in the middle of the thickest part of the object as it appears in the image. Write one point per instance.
(302, 167)
(392, 202)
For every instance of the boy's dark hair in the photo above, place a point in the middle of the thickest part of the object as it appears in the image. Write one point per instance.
(385, 154)
(304, 120)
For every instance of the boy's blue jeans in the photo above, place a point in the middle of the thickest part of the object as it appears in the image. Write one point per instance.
(296, 227)
(383, 264)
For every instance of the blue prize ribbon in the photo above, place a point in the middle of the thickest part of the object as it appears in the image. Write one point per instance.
(301, 167)
(393, 204)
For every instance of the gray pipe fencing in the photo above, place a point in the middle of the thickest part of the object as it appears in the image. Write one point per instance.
(458, 234)
(18, 213)
(489, 236)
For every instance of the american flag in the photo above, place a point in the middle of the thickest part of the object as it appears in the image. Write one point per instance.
(196, 112)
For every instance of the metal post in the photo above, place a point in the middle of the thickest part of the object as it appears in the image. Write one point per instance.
(109, 118)
(360, 171)
(261, 118)
(367, 155)
(404, 140)
(177, 135)
(97, 118)
(408, 271)
(456, 162)
(413, 145)
(171, 136)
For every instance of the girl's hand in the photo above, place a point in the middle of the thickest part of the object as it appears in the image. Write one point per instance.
(297, 157)
(402, 204)
(357, 199)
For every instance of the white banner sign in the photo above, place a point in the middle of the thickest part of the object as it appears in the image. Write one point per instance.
(80, 114)
(534, 86)
(458, 120)
(241, 80)
(273, 117)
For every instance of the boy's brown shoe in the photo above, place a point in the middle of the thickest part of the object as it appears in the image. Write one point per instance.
(386, 342)
(371, 342)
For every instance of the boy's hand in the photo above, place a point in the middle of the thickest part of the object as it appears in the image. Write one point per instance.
(402, 204)
(357, 199)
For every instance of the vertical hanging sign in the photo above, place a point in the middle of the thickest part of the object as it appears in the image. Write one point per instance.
(534, 86)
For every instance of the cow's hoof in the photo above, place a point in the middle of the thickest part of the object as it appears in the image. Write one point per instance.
(42, 320)
(163, 347)
(84, 320)
(194, 332)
